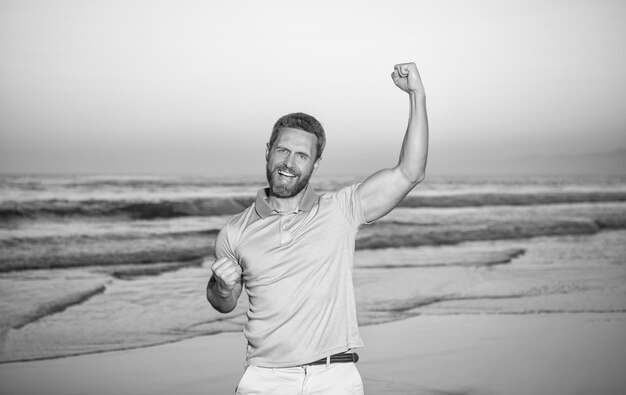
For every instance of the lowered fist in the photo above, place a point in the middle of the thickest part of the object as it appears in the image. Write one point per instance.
(227, 274)
(407, 78)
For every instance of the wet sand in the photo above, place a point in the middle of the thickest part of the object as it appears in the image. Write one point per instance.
(548, 354)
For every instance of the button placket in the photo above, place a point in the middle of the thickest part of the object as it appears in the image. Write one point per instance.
(285, 227)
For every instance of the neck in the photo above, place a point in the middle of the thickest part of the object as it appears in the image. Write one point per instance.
(286, 205)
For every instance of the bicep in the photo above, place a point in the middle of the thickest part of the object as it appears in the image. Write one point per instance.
(382, 191)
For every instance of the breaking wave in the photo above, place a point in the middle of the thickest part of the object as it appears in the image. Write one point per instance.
(211, 206)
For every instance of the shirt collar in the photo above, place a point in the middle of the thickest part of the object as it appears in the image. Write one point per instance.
(264, 209)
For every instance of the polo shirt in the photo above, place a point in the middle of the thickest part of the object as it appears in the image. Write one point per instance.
(297, 273)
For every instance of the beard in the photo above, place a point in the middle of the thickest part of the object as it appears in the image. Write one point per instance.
(282, 189)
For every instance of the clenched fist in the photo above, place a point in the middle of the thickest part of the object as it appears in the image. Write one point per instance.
(407, 78)
(227, 274)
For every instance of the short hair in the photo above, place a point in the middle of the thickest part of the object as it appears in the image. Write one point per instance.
(304, 122)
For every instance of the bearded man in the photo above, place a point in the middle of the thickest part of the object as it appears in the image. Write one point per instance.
(292, 250)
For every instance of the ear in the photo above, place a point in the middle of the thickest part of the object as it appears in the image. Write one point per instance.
(317, 163)
(267, 151)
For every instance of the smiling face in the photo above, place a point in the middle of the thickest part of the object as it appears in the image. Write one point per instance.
(290, 162)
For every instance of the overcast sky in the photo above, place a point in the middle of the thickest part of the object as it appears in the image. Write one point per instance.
(145, 86)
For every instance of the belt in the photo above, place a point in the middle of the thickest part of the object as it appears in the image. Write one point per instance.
(337, 358)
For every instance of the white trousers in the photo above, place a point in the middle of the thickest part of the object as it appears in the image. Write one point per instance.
(331, 379)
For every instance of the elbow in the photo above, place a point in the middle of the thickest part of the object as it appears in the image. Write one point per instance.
(413, 173)
(418, 178)
(414, 177)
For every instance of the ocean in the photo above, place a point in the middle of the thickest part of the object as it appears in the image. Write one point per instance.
(94, 263)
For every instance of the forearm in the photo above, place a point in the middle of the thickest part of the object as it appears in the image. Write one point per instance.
(224, 303)
(383, 190)
(414, 152)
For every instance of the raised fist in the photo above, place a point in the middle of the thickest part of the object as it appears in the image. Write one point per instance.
(227, 273)
(407, 78)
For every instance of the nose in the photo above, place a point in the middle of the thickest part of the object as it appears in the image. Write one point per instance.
(290, 160)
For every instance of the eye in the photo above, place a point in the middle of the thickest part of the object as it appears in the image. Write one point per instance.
(302, 156)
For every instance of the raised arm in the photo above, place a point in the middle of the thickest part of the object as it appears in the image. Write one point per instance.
(382, 191)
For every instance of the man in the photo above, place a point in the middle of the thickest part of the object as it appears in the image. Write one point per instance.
(293, 252)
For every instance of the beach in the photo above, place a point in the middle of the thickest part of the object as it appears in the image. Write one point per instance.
(133, 134)
(472, 286)
(550, 354)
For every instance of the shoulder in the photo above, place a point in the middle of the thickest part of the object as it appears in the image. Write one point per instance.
(340, 196)
(348, 202)
(228, 236)
(239, 220)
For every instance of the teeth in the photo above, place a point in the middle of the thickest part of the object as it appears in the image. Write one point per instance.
(283, 173)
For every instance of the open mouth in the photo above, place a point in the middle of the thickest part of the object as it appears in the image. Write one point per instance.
(286, 174)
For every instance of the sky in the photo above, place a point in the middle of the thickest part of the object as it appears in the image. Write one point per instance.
(194, 87)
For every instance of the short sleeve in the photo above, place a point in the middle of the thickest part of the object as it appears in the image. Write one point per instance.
(224, 246)
(349, 203)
